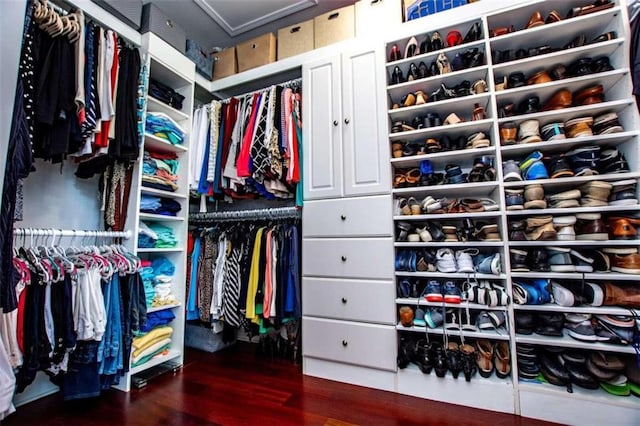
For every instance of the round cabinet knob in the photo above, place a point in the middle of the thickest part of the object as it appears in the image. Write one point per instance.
(344, 300)
(346, 121)
(343, 217)
(345, 343)
(344, 258)
(335, 122)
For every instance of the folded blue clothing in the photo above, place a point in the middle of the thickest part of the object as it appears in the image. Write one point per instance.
(145, 241)
(149, 202)
(158, 318)
(162, 266)
(161, 125)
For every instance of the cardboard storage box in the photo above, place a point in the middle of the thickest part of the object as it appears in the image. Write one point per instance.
(155, 21)
(295, 39)
(374, 15)
(334, 26)
(224, 63)
(257, 51)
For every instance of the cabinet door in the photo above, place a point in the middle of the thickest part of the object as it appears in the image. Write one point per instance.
(364, 123)
(321, 112)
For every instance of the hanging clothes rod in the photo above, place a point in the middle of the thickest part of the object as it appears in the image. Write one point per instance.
(271, 213)
(288, 83)
(50, 232)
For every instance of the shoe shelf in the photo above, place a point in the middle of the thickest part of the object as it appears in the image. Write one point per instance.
(442, 157)
(564, 145)
(575, 210)
(546, 90)
(474, 189)
(560, 184)
(458, 105)
(600, 276)
(463, 244)
(596, 310)
(463, 305)
(467, 127)
(566, 56)
(154, 105)
(431, 84)
(161, 193)
(462, 275)
(452, 216)
(566, 114)
(155, 361)
(492, 335)
(491, 393)
(575, 243)
(569, 342)
(556, 34)
(429, 57)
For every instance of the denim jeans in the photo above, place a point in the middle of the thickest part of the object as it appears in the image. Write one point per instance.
(82, 379)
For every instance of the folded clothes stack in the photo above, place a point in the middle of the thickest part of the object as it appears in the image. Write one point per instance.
(157, 319)
(159, 171)
(162, 126)
(163, 292)
(155, 342)
(148, 279)
(159, 205)
(147, 237)
(165, 94)
(164, 236)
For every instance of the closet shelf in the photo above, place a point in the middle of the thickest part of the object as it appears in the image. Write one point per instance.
(408, 113)
(567, 211)
(444, 157)
(469, 189)
(155, 361)
(161, 193)
(467, 127)
(452, 216)
(583, 396)
(155, 105)
(567, 56)
(163, 308)
(429, 84)
(565, 145)
(568, 342)
(450, 244)
(596, 310)
(161, 218)
(155, 143)
(455, 332)
(450, 275)
(572, 182)
(600, 276)
(575, 243)
(160, 250)
(431, 56)
(422, 302)
(548, 34)
(572, 112)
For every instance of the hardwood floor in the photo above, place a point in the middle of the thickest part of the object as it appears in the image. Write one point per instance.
(234, 387)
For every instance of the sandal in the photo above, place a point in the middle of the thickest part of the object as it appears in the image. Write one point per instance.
(412, 177)
(489, 204)
(433, 146)
(401, 126)
(471, 205)
(404, 206)
(397, 149)
(477, 173)
(414, 206)
(399, 181)
(452, 119)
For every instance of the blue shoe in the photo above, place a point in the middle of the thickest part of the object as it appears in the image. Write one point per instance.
(488, 264)
(531, 158)
(536, 170)
(404, 288)
(433, 291)
(425, 167)
(451, 292)
(542, 285)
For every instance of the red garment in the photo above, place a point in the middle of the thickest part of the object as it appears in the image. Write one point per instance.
(163, 155)
(244, 160)
(102, 138)
(145, 263)
(22, 297)
(231, 113)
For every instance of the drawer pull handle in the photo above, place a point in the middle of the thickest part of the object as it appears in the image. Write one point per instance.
(344, 258)
(345, 343)
(335, 122)
(346, 121)
(344, 300)
(343, 217)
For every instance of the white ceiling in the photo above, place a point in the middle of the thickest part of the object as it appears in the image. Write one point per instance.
(253, 13)
(241, 15)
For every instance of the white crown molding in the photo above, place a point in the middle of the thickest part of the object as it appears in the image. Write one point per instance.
(212, 8)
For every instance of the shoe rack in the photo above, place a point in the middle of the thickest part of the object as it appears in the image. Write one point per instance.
(545, 45)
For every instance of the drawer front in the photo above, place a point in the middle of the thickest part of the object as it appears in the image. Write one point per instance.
(348, 257)
(355, 300)
(354, 343)
(348, 217)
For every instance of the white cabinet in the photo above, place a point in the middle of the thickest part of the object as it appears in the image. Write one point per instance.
(345, 126)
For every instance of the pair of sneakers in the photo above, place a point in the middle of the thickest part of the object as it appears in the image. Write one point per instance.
(437, 292)
(485, 293)
(461, 261)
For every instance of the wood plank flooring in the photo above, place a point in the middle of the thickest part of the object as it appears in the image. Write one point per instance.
(234, 387)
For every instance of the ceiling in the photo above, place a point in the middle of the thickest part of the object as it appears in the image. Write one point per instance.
(223, 23)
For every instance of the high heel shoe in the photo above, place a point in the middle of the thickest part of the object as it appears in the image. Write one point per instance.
(423, 70)
(436, 41)
(394, 55)
(397, 77)
(425, 46)
(413, 72)
(443, 64)
(421, 97)
(411, 49)
(474, 33)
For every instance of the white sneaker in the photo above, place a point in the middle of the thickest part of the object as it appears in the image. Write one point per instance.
(465, 261)
(445, 261)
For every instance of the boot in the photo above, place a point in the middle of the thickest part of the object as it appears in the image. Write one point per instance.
(627, 296)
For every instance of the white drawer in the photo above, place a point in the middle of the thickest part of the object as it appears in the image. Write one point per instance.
(354, 343)
(348, 257)
(348, 217)
(355, 300)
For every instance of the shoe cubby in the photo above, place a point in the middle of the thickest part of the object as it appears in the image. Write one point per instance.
(450, 232)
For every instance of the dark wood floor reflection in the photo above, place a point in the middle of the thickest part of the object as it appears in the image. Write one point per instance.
(234, 387)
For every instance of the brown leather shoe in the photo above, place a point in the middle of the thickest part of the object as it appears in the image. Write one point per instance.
(535, 20)
(539, 78)
(622, 228)
(578, 127)
(508, 133)
(406, 316)
(626, 264)
(597, 6)
(615, 295)
(589, 226)
(561, 99)
(554, 16)
(590, 95)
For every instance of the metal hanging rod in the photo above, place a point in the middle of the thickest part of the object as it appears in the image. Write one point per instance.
(50, 232)
(288, 83)
(271, 213)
